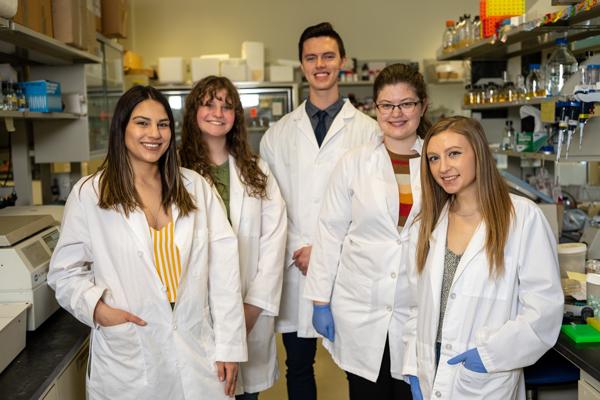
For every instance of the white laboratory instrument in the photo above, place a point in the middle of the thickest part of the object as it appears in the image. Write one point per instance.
(26, 245)
(13, 320)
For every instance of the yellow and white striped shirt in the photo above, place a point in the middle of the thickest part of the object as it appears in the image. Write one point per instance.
(166, 259)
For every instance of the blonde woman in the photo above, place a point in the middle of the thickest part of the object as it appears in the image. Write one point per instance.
(489, 294)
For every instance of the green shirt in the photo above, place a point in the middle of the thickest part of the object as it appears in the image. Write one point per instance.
(221, 174)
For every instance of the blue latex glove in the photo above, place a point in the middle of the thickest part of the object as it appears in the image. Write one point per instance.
(322, 320)
(415, 388)
(470, 359)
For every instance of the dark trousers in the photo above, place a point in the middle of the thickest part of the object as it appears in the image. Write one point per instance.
(300, 375)
(385, 388)
(247, 396)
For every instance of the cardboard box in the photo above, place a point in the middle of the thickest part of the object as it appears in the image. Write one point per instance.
(281, 73)
(69, 22)
(203, 67)
(171, 70)
(114, 18)
(95, 6)
(254, 54)
(36, 15)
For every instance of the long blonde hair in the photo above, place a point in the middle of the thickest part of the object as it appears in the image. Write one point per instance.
(492, 194)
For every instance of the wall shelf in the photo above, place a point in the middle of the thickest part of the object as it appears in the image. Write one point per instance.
(38, 115)
(512, 104)
(35, 47)
(547, 157)
(528, 38)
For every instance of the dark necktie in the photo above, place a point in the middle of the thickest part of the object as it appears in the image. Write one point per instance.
(321, 129)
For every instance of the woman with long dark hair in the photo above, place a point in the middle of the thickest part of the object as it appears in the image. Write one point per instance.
(147, 259)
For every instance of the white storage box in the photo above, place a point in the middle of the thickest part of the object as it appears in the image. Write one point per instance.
(171, 70)
(281, 73)
(203, 67)
(254, 54)
(13, 324)
(235, 69)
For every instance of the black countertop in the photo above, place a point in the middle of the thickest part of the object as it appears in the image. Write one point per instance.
(586, 356)
(47, 352)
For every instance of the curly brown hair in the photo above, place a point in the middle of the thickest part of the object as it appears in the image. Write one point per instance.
(194, 152)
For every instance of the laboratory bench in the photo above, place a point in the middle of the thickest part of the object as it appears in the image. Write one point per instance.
(586, 357)
(53, 363)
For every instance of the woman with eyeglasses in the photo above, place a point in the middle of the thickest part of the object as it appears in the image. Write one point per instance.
(215, 144)
(358, 279)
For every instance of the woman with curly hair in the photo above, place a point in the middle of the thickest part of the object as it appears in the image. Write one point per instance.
(215, 144)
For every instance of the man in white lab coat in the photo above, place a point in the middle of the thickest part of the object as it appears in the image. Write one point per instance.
(302, 150)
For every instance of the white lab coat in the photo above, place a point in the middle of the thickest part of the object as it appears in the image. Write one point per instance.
(102, 253)
(302, 170)
(512, 320)
(260, 226)
(360, 259)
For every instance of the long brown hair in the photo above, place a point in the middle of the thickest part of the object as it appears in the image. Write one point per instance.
(117, 186)
(492, 194)
(194, 152)
(402, 73)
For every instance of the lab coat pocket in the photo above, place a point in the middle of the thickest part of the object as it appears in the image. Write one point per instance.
(485, 386)
(118, 357)
(203, 333)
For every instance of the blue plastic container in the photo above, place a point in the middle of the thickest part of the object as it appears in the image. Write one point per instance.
(42, 96)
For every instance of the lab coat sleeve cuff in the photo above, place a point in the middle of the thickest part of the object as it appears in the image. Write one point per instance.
(90, 300)
(227, 353)
(486, 359)
(269, 309)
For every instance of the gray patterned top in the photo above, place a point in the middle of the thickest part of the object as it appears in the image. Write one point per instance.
(451, 261)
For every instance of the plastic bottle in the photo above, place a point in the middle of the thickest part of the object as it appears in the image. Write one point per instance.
(21, 100)
(561, 65)
(534, 83)
(458, 33)
(467, 38)
(448, 37)
(508, 139)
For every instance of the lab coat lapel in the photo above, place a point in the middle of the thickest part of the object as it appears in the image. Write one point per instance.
(475, 246)
(183, 230)
(236, 195)
(339, 123)
(138, 224)
(303, 122)
(435, 262)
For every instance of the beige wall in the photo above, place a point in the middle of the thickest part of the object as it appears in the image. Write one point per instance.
(375, 29)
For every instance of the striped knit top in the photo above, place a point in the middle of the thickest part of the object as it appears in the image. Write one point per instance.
(166, 259)
(400, 163)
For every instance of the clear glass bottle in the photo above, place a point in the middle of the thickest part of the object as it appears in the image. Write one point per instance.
(534, 83)
(6, 106)
(520, 88)
(21, 100)
(12, 97)
(510, 92)
(448, 37)
(469, 97)
(476, 30)
(561, 65)
(508, 139)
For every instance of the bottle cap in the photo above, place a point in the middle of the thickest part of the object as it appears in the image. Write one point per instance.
(449, 23)
(534, 66)
(561, 41)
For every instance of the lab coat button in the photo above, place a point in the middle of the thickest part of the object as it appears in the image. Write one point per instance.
(399, 241)
(438, 394)
(140, 254)
(448, 347)
(393, 275)
(453, 296)
(164, 289)
(389, 308)
(174, 327)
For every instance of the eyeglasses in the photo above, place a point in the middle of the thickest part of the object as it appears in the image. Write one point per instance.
(406, 107)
